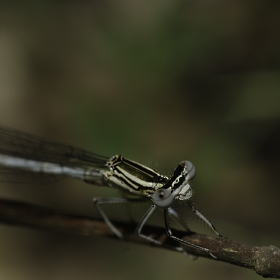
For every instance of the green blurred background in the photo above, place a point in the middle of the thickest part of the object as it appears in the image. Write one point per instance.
(158, 82)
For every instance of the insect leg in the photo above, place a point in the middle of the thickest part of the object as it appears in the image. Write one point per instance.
(143, 222)
(170, 234)
(204, 219)
(145, 218)
(99, 201)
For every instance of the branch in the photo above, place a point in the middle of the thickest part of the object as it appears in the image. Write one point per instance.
(264, 260)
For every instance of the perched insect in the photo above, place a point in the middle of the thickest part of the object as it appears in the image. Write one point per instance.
(22, 154)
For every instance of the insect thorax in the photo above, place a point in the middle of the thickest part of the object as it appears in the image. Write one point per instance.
(132, 177)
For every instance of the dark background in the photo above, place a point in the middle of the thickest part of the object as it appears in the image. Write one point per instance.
(157, 82)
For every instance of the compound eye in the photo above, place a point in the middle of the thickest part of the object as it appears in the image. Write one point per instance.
(161, 194)
(163, 198)
(191, 169)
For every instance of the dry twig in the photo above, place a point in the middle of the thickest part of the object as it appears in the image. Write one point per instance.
(264, 260)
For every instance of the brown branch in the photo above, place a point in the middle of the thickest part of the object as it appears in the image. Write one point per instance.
(264, 260)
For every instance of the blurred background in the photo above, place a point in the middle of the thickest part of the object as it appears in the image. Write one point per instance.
(158, 82)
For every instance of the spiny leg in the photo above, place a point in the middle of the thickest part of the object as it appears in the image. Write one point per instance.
(99, 201)
(198, 214)
(174, 214)
(128, 208)
(170, 234)
(143, 221)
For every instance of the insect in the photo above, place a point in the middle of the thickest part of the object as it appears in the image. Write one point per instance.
(24, 157)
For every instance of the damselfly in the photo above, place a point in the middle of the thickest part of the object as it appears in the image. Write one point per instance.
(23, 155)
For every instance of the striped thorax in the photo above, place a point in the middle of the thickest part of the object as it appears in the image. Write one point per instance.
(141, 180)
(133, 177)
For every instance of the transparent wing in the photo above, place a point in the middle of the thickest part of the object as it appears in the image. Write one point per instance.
(23, 145)
(16, 176)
